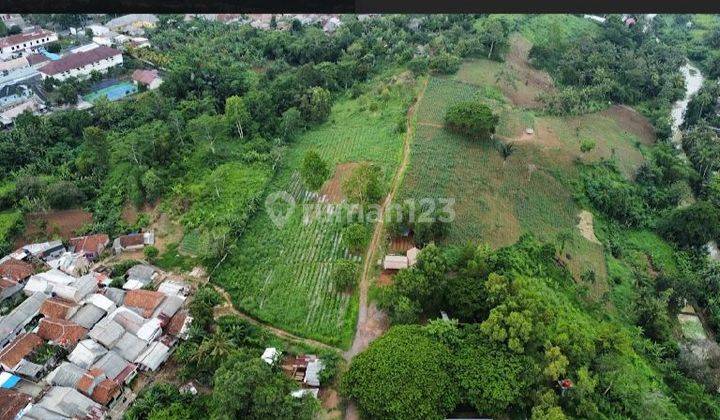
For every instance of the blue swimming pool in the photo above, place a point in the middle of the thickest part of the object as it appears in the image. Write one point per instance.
(51, 56)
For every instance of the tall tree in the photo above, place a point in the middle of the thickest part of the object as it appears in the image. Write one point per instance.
(237, 115)
(314, 170)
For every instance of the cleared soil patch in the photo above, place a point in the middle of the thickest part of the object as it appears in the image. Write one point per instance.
(386, 278)
(332, 190)
(632, 122)
(586, 226)
(130, 213)
(531, 81)
(43, 226)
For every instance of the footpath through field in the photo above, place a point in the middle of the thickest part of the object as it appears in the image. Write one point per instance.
(368, 314)
(227, 308)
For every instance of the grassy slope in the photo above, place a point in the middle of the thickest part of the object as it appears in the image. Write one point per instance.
(532, 191)
(9, 221)
(282, 276)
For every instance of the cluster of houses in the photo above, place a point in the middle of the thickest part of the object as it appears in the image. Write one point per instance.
(25, 61)
(304, 369)
(72, 342)
(328, 22)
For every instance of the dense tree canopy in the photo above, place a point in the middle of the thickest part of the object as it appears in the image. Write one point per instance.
(403, 375)
(471, 119)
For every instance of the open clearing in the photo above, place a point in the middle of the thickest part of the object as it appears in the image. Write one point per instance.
(517, 80)
(57, 224)
(585, 225)
(497, 200)
(332, 190)
(285, 280)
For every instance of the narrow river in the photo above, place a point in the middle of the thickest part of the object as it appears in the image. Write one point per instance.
(693, 81)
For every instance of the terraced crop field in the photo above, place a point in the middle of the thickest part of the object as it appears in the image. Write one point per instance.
(281, 275)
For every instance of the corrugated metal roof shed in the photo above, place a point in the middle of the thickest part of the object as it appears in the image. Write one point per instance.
(86, 353)
(154, 356)
(67, 402)
(312, 373)
(88, 316)
(22, 314)
(111, 363)
(67, 374)
(129, 347)
(107, 332)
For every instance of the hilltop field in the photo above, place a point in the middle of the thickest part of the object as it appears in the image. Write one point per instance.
(534, 189)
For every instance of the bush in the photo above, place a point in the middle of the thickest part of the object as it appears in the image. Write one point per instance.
(355, 237)
(471, 119)
(314, 170)
(692, 226)
(64, 195)
(444, 63)
(613, 195)
(53, 47)
(345, 274)
(151, 253)
(587, 145)
(363, 186)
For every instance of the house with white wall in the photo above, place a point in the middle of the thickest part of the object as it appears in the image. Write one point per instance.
(14, 44)
(81, 64)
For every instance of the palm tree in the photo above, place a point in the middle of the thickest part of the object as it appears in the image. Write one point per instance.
(212, 349)
(506, 150)
(563, 237)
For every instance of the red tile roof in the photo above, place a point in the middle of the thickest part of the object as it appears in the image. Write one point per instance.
(34, 59)
(145, 300)
(144, 77)
(91, 243)
(20, 347)
(57, 308)
(105, 391)
(78, 60)
(11, 402)
(174, 327)
(61, 331)
(133, 239)
(85, 383)
(11, 40)
(15, 270)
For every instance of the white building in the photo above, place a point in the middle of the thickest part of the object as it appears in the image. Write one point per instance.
(81, 64)
(148, 78)
(98, 30)
(395, 262)
(16, 43)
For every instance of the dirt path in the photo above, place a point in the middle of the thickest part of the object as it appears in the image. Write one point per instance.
(227, 308)
(370, 319)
